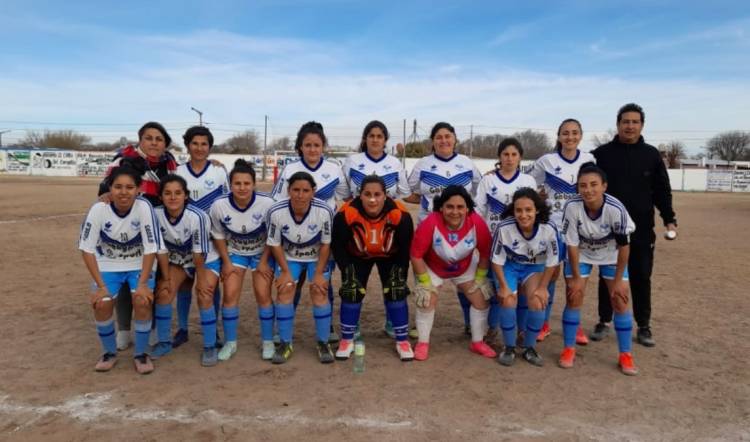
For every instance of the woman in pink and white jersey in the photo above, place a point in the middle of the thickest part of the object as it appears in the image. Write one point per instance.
(452, 244)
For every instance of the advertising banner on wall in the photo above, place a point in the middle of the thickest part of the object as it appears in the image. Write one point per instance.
(53, 163)
(17, 161)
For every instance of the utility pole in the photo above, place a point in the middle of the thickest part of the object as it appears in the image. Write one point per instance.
(1, 135)
(200, 115)
(265, 147)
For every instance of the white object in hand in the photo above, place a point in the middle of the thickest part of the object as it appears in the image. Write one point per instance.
(670, 234)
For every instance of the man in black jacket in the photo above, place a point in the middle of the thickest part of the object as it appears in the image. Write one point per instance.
(637, 177)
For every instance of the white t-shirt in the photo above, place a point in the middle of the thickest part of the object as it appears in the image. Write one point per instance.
(204, 186)
(495, 194)
(559, 177)
(509, 244)
(388, 167)
(329, 180)
(190, 233)
(300, 240)
(245, 230)
(432, 174)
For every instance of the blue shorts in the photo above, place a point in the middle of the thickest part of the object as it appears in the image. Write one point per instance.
(214, 266)
(606, 271)
(115, 280)
(517, 274)
(297, 267)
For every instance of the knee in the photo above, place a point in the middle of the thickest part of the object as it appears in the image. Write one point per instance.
(318, 296)
(141, 302)
(574, 300)
(537, 303)
(509, 301)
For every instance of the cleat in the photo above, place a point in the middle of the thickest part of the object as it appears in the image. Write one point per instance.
(601, 331)
(325, 355)
(333, 337)
(405, 353)
(413, 333)
(421, 351)
(210, 356)
(388, 329)
(268, 350)
(106, 362)
(626, 364)
(228, 350)
(507, 357)
(179, 338)
(482, 349)
(532, 357)
(161, 349)
(143, 364)
(276, 339)
(644, 337)
(123, 339)
(219, 342)
(581, 338)
(283, 353)
(544, 332)
(346, 347)
(567, 357)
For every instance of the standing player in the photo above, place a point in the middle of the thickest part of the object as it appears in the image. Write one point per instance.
(494, 195)
(119, 242)
(433, 173)
(186, 233)
(327, 174)
(238, 227)
(452, 244)
(299, 236)
(373, 229)
(557, 173)
(524, 257)
(596, 227)
(207, 182)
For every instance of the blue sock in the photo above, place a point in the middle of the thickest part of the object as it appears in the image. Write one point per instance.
(522, 311)
(534, 324)
(349, 318)
(624, 330)
(285, 321)
(208, 325)
(398, 311)
(322, 314)
(508, 325)
(142, 331)
(106, 330)
(548, 311)
(163, 317)
(571, 319)
(217, 301)
(265, 315)
(465, 304)
(184, 299)
(493, 320)
(230, 317)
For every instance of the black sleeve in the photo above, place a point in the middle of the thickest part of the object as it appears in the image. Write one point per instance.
(341, 235)
(662, 193)
(622, 240)
(404, 235)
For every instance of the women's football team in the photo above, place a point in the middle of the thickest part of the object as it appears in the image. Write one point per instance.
(161, 232)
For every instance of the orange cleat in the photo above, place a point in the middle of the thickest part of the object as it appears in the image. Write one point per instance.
(544, 332)
(567, 358)
(581, 338)
(421, 351)
(626, 364)
(482, 349)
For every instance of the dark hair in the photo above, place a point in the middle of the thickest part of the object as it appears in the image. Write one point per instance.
(242, 166)
(157, 126)
(507, 142)
(631, 107)
(196, 131)
(124, 169)
(173, 178)
(311, 127)
(301, 175)
(372, 179)
(558, 145)
(442, 125)
(370, 126)
(448, 193)
(591, 167)
(540, 205)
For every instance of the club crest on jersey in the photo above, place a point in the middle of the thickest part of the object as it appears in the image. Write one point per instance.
(453, 237)
(515, 244)
(163, 230)
(257, 217)
(326, 176)
(459, 166)
(285, 228)
(361, 166)
(209, 184)
(227, 220)
(135, 224)
(438, 241)
(604, 227)
(185, 231)
(493, 190)
(433, 167)
(469, 241)
(107, 227)
(558, 170)
(542, 243)
(312, 228)
(387, 167)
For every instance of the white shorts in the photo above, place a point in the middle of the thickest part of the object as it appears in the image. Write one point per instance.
(467, 276)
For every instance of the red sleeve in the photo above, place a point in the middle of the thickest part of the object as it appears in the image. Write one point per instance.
(484, 238)
(423, 237)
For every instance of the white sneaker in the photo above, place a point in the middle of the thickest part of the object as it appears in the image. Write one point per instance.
(269, 348)
(229, 349)
(346, 347)
(123, 339)
(405, 353)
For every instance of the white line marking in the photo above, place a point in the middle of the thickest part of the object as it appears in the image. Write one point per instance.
(39, 218)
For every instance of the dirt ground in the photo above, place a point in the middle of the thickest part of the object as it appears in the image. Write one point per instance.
(694, 385)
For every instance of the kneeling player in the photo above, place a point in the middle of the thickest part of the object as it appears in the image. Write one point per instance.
(373, 229)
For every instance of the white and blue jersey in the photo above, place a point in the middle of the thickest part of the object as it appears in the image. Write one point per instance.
(509, 245)
(559, 176)
(190, 233)
(495, 194)
(432, 174)
(388, 167)
(595, 235)
(300, 240)
(119, 242)
(244, 230)
(330, 182)
(204, 186)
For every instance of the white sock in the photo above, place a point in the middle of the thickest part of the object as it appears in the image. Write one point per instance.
(478, 322)
(424, 320)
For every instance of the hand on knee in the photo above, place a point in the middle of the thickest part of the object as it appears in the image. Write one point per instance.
(509, 301)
